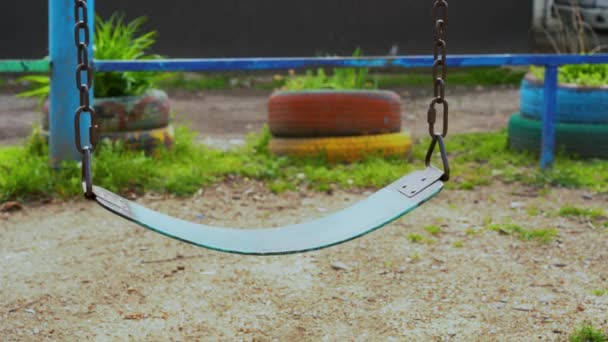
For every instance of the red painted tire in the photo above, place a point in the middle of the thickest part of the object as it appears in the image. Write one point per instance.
(328, 113)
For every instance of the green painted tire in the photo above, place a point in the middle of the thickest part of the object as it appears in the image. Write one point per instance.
(128, 113)
(582, 140)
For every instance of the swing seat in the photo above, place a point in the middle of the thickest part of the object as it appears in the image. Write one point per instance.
(376, 211)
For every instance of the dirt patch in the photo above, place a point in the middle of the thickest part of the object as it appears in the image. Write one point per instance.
(71, 271)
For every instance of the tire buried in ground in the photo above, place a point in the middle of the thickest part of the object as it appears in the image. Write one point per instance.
(344, 149)
(587, 141)
(328, 113)
(575, 104)
(128, 113)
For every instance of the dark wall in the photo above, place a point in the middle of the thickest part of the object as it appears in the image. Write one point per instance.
(239, 28)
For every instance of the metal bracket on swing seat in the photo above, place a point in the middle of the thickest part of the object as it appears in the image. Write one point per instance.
(415, 183)
(112, 201)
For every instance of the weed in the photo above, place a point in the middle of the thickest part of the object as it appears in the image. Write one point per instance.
(472, 231)
(341, 79)
(458, 244)
(415, 238)
(539, 235)
(532, 211)
(118, 40)
(433, 230)
(587, 213)
(599, 292)
(588, 333)
(415, 257)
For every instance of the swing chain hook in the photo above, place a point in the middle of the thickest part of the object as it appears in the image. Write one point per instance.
(82, 39)
(440, 19)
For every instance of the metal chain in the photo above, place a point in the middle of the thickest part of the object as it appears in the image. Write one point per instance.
(440, 19)
(81, 29)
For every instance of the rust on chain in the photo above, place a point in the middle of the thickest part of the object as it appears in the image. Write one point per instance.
(82, 40)
(440, 19)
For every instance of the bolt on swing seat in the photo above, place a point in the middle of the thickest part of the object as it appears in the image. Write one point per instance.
(378, 210)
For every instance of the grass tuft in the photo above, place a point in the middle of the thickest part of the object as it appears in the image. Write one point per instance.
(588, 213)
(433, 230)
(539, 235)
(588, 333)
(415, 238)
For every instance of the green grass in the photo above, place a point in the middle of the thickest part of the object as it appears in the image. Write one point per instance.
(471, 232)
(539, 235)
(464, 77)
(415, 238)
(588, 213)
(588, 333)
(599, 292)
(433, 230)
(593, 75)
(188, 167)
(532, 211)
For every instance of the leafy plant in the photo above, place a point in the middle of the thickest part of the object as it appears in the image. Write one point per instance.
(591, 75)
(574, 35)
(341, 79)
(118, 40)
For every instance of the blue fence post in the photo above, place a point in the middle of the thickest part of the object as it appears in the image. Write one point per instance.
(64, 97)
(549, 119)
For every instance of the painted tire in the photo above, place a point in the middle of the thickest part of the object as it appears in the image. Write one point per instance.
(587, 141)
(348, 149)
(333, 113)
(575, 104)
(144, 140)
(129, 113)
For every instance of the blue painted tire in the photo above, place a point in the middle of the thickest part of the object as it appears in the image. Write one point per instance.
(586, 141)
(575, 104)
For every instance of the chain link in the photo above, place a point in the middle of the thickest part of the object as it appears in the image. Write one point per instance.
(82, 39)
(440, 71)
(84, 68)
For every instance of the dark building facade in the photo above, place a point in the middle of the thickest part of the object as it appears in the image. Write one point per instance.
(239, 28)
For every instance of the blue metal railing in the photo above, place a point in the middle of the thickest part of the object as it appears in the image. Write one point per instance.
(64, 99)
(252, 64)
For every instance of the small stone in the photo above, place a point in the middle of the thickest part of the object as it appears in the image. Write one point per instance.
(587, 196)
(31, 311)
(517, 205)
(524, 307)
(340, 266)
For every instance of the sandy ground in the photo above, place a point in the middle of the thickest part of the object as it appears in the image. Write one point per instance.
(69, 271)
